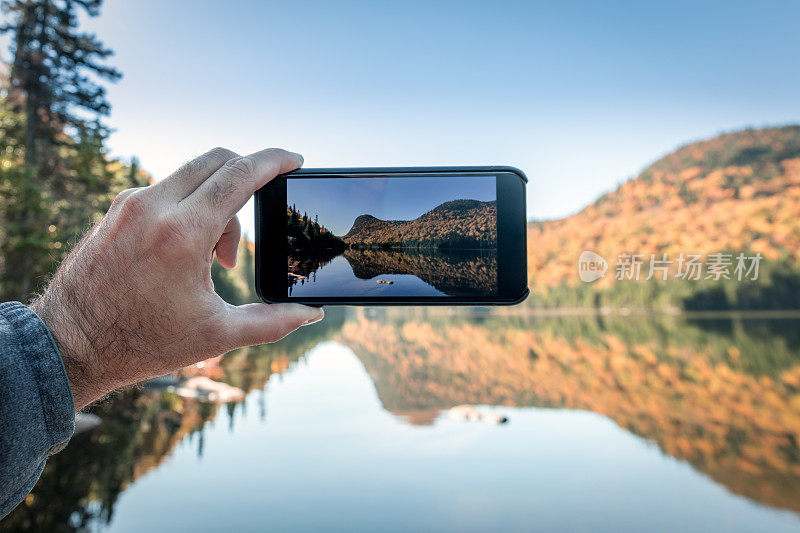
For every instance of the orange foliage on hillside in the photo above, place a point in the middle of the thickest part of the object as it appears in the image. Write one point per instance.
(739, 191)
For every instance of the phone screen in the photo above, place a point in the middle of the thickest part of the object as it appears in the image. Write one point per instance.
(392, 237)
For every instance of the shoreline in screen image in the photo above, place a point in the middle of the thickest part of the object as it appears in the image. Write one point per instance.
(392, 237)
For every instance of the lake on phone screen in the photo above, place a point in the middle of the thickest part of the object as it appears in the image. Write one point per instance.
(460, 272)
(614, 423)
(337, 279)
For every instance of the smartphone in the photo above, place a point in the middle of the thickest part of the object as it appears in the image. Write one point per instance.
(392, 236)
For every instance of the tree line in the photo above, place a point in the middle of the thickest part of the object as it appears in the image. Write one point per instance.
(303, 233)
(55, 172)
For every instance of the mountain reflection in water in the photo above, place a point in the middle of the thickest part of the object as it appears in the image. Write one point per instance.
(342, 427)
(413, 272)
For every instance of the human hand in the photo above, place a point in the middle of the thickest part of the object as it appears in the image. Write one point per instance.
(135, 299)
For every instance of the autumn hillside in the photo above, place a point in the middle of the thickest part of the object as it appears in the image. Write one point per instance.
(738, 192)
(453, 224)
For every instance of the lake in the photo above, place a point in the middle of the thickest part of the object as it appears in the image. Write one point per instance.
(614, 423)
(336, 278)
(407, 273)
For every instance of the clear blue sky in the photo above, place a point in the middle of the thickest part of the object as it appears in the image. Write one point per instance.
(339, 201)
(580, 95)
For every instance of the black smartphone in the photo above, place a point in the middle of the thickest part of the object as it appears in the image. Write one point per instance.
(392, 236)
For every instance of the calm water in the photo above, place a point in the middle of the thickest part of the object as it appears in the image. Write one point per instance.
(405, 273)
(662, 423)
(337, 279)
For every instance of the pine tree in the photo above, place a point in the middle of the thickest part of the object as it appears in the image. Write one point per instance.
(63, 179)
(53, 69)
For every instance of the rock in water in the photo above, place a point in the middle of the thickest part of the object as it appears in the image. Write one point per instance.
(197, 388)
(203, 388)
(471, 413)
(386, 281)
(86, 422)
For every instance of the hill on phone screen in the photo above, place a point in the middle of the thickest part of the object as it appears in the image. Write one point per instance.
(454, 224)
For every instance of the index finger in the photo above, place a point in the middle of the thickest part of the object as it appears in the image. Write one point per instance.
(228, 189)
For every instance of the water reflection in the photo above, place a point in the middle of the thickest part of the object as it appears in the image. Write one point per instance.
(379, 272)
(337, 279)
(727, 403)
(721, 396)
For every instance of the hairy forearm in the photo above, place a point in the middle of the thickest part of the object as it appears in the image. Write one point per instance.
(73, 345)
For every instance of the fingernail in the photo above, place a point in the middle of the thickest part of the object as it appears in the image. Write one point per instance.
(300, 157)
(319, 316)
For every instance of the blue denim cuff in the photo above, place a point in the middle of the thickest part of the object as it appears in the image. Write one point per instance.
(37, 413)
(39, 351)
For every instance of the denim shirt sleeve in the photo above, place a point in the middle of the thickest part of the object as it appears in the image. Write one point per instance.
(37, 413)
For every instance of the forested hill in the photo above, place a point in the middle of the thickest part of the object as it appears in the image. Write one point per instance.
(306, 234)
(738, 192)
(458, 223)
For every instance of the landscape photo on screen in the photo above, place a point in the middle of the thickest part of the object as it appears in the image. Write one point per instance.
(392, 237)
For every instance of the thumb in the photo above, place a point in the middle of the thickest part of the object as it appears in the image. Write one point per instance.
(262, 323)
(228, 243)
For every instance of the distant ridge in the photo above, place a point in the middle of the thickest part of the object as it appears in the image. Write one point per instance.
(462, 222)
(735, 192)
